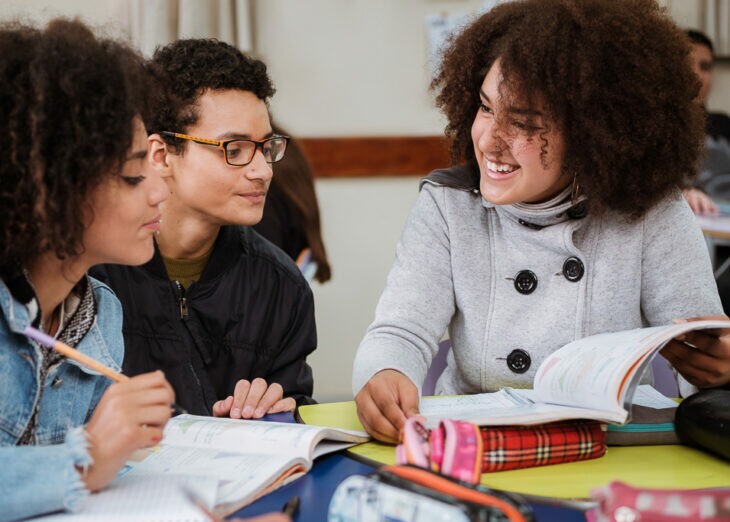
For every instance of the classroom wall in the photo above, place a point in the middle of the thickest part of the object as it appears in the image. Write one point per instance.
(378, 87)
(40, 11)
(348, 67)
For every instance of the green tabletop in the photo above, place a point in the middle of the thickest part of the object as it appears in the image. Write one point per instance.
(643, 466)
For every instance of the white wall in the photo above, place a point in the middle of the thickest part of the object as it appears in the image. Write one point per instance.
(362, 220)
(362, 68)
(361, 65)
(348, 67)
(94, 12)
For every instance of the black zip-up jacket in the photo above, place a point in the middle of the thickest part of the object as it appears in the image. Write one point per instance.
(250, 315)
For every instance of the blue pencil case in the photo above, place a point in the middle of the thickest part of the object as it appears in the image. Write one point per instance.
(413, 494)
(648, 427)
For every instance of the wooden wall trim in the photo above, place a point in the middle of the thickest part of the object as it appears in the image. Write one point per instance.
(376, 156)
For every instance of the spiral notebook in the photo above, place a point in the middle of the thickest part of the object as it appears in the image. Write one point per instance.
(144, 499)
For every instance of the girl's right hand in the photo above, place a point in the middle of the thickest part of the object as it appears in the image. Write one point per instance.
(384, 404)
(130, 415)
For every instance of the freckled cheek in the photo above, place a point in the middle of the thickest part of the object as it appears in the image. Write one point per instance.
(524, 150)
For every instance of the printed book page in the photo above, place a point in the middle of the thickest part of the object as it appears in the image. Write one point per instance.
(598, 372)
(242, 435)
(512, 406)
(650, 397)
(591, 378)
(502, 408)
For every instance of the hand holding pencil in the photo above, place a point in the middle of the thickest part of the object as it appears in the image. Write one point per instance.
(130, 415)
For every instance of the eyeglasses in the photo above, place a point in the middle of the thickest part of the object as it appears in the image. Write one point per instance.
(240, 152)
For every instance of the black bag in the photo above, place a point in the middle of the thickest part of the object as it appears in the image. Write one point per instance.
(703, 420)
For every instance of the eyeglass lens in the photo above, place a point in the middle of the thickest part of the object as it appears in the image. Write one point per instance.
(241, 152)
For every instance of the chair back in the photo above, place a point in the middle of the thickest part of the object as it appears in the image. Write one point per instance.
(437, 367)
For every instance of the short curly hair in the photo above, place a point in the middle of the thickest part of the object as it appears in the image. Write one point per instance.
(189, 68)
(614, 77)
(67, 106)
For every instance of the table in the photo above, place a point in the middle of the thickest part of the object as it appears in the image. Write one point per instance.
(673, 466)
(316, 488)
(716, 230)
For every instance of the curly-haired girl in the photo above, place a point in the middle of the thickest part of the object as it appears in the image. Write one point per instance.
(573, 125)
(76, 189)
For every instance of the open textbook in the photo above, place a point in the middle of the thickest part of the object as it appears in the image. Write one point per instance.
(249, 458)
(228, 462)
(592, 378)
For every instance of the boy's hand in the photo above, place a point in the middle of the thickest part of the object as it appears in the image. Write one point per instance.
(253, 400)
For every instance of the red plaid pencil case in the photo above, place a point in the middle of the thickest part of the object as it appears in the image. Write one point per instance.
(514, 447)
(463, 450)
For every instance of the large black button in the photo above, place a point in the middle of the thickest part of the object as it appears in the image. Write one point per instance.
(519, 361)
(573, 269)
(578, 211)
(525, 282)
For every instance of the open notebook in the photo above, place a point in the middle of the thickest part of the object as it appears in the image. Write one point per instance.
(144, 499)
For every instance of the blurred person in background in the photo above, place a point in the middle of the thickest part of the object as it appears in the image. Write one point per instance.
(712, 185)
(291, 214)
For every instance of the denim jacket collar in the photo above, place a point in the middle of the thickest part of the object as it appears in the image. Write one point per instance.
(18, 317)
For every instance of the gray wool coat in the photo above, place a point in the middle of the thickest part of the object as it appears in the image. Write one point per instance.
(460, 257)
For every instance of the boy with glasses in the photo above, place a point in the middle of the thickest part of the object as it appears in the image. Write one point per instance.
(225, 314)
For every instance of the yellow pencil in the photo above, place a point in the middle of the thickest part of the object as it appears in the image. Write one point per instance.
(71, 353)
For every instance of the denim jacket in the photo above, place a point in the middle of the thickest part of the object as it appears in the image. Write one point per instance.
(43, 478)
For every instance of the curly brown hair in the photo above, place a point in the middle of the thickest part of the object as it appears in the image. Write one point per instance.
(67, 106)
(613, 75)
(192, 66)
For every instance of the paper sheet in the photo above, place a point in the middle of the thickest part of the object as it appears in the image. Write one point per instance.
(145, 498)
(647, 395)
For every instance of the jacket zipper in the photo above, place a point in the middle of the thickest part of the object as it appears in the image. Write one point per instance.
(183, 304)
(182, 300)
